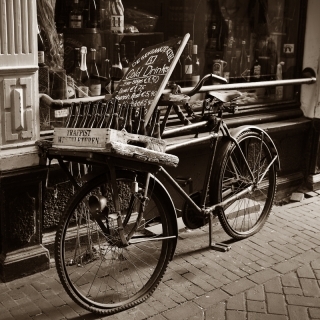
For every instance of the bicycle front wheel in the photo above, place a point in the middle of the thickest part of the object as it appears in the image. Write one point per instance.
(250, 167)
(95, 268)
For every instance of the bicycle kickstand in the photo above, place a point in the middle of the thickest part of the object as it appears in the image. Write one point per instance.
(219, 246)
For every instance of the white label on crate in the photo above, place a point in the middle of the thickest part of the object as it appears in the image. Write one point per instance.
(61, 113)
(80, 137)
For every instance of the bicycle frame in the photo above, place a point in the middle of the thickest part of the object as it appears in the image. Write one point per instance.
(214, 136)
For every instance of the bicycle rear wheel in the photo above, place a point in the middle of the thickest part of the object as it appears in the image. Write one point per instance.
(98, 272)
(245, 214)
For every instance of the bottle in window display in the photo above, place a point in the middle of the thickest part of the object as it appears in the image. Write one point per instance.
(233, 78)
(71, 92)
(124, 60)
(93, 14)
(132, 52)
(195, 65)
(279, 89)
(105, 73)
(255, 72)
(213, 37)
(83, 76)
(76, 16)
(243, 62)
(116, 72)
(225, 37)
(230, 35)
(218, 67)
(94, 77)
(117, 16)
(76, 62)
(188, 67)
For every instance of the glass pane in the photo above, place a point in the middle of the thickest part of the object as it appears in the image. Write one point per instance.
(241, 40)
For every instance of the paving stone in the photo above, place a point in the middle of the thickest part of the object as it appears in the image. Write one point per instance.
(236, 315)
(238, 286)
(273, 275)
(261, 316)
(18, 313)
(273, 286)
(68, 312)
(230, 275)
(284, 267)
(256, 306)
(290, 280)
(157, 305)
(211, 298)
(236, 302)
(314, 313)
(306, 272)
(243, 251)
(255, 266)
(292, 290)
(29, 307)
(216, 312)
(317, 274)
(307, 257)
(316, 264)
(256, 293)
(264, 263)
(204, 285)
(298, 313)
(248, 269)
(165, 290)
(6, 315)
(232, 267)
(276, 303)
(147, 309)
(310, 287)
(183, 311)
(40, 286)
(263, 276)
(41, 316)
(303, 301)
(157, 317)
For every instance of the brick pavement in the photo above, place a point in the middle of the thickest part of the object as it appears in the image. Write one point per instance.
(273, 275)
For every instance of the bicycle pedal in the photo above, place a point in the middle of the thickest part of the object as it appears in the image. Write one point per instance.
(219, 246)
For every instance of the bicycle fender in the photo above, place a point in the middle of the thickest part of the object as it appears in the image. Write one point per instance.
(166, 198)
(236, 132)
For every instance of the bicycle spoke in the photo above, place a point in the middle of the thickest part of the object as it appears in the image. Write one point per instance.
(247, 185)
(97, 269)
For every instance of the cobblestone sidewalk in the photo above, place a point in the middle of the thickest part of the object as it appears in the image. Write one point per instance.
(273, 275)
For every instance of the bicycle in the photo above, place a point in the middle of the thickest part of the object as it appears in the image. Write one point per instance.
(119, 230)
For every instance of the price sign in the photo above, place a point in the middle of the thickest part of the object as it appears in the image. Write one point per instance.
(148, 75)
(61, 113)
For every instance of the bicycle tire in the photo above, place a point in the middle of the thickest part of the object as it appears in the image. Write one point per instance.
(245, 216)
(98, 274)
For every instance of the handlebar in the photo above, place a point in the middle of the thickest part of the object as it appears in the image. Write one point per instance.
(203, 80)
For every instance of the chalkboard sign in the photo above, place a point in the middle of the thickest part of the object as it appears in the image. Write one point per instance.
(148, 75)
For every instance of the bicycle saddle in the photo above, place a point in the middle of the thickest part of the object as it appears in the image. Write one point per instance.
(225, 96)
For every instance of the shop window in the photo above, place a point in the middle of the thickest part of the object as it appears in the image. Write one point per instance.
(242, 40)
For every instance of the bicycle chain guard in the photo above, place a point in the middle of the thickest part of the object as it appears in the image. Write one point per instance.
(191, 218)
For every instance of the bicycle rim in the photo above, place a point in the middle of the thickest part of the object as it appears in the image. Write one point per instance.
(246, 215)
(95, 270)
